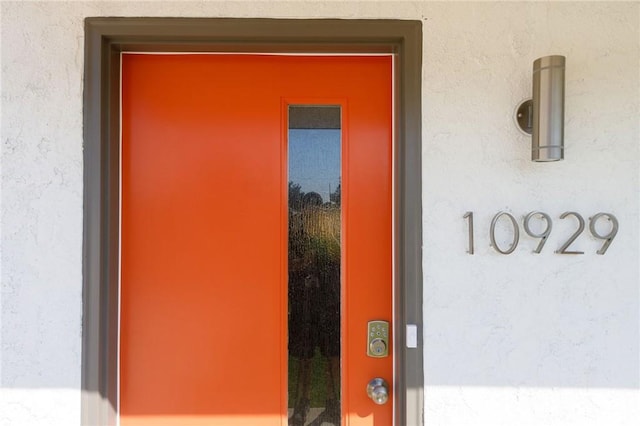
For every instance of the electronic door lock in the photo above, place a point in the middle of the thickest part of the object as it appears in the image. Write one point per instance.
(378, 339)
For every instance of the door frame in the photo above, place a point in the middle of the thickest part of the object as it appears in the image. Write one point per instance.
(106, 38)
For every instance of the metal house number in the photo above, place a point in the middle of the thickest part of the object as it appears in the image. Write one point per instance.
(544, 235)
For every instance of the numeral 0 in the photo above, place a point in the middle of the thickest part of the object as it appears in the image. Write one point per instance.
(516, 233)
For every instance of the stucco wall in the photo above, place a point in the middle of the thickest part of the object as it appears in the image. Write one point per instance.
(525, 339)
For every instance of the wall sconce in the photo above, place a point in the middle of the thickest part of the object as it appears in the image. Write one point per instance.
(543, 116)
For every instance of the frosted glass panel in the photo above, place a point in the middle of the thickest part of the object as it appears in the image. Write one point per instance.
(314, 146)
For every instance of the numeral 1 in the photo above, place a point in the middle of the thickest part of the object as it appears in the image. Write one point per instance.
(469, 216)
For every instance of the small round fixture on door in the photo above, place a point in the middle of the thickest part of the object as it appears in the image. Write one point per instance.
(378, 390)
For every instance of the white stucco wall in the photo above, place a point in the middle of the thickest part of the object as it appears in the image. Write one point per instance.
(523, 339)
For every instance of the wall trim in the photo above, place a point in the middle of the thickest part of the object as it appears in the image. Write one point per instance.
(106, 38)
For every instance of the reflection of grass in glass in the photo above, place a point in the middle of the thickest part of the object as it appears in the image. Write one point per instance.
(318, 394)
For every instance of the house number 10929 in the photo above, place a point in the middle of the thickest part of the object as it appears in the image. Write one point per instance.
(544, 234)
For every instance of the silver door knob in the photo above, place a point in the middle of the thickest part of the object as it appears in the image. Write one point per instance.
(378, 390)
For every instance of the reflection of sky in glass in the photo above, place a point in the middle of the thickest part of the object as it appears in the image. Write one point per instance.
(314, 160)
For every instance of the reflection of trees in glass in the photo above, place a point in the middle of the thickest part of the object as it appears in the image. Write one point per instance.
(296, 196)
(335, 196)
(314, 225)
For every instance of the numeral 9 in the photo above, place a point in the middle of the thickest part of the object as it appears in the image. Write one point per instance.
(544, 234)
(610, 236)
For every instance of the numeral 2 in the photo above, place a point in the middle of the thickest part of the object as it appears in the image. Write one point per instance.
(565, 246)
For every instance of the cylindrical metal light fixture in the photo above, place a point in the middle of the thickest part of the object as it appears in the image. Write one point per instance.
(547, 142)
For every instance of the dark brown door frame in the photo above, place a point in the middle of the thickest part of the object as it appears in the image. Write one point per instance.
(105, 39)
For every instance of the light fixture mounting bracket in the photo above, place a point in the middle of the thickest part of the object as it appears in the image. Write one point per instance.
(524, 116)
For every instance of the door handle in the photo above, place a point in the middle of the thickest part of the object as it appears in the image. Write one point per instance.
(378, 390)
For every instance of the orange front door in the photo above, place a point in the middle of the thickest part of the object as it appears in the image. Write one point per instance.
(205, 272)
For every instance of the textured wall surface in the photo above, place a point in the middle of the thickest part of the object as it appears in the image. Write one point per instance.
(527, 339)
(530, 339)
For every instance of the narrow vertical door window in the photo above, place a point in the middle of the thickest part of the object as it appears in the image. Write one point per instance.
(314, 259)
